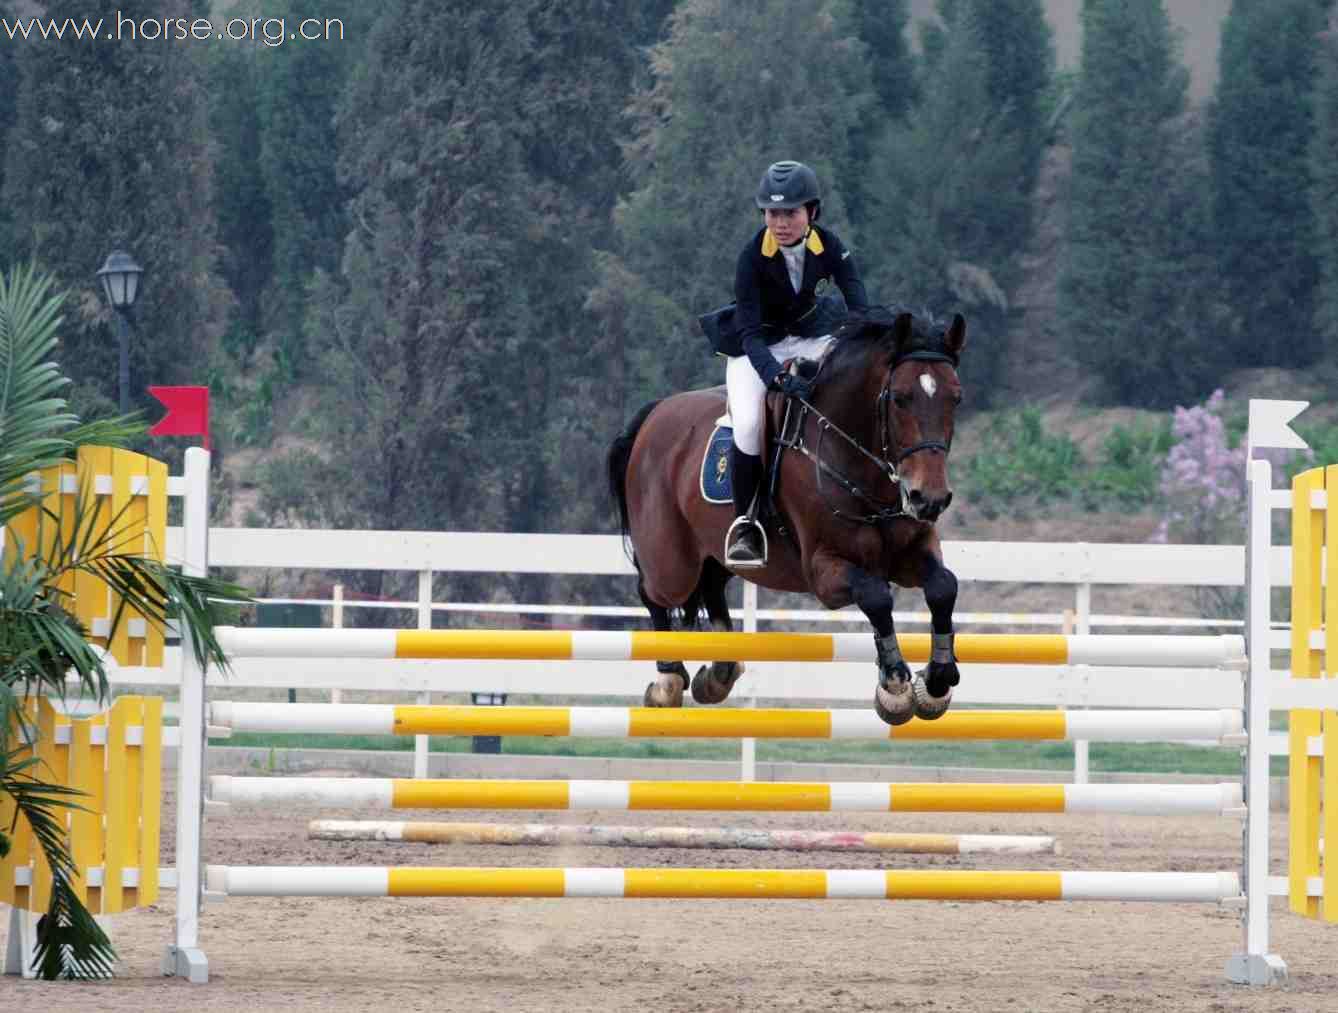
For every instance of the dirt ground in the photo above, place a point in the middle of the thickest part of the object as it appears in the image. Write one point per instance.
(690, 956)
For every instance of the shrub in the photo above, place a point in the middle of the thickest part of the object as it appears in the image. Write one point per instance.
(1019, 462)
(1129, 474)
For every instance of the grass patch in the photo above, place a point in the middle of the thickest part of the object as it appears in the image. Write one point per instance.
(1105, 757)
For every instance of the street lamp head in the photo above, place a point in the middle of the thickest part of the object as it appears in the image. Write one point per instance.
(120, 279)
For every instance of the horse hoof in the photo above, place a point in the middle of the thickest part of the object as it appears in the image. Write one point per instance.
(713, 682)
(928, 706)
(658, 696)
(895, 708)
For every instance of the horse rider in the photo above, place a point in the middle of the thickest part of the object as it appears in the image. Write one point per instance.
(783, 309)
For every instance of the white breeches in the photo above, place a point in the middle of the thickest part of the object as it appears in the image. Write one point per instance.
(747, 394)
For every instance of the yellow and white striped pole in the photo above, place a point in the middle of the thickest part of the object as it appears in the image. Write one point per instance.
(729, 796)
(729, 722)
(1227, 651)
(751, 884)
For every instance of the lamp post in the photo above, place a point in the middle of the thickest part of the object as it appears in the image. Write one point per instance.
(120, 281)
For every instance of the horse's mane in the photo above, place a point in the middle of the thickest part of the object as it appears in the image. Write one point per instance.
(871, 333)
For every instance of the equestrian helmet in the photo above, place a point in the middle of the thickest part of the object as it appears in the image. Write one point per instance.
(789, 185)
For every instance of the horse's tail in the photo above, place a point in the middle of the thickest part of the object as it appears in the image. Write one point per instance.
(620, 454)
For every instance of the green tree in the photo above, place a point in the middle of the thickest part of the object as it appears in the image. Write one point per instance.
(8, 113)
(110, 149)
(1323, 158)
(1132, 293)
(1259, 133)
(571, 159)
(299, 85)
(417, 336)
(1020, 55)
(241, 202)
(41, 643)
(881, 25)
(957, 176)
(797, 85)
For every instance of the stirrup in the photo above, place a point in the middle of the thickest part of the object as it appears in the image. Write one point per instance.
(735, 563)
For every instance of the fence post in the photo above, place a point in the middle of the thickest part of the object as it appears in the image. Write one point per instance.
(1256, 966)
(420, 742)
(1078, 674)
(185, 958)
(337, 621)
(748, 751)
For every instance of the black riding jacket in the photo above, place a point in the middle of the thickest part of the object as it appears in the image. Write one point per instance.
(768, 307)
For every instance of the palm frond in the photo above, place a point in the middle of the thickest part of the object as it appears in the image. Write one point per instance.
(34, 416)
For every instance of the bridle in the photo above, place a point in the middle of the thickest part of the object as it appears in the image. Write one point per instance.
(881, 511)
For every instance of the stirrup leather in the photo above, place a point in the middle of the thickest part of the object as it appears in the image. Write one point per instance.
(745, 564)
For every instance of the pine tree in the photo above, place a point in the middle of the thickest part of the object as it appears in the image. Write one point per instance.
(956, 179)
(8, 113)
(110, 149)
(241, 204)
(299, 87)
(881, 26)
(459, 372)
(1323, 157)
(796, 87)
(1021, 57)
(1131, 292)
(1260, 129)
(573, 164)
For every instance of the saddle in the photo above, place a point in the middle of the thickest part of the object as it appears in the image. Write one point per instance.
(715, 483)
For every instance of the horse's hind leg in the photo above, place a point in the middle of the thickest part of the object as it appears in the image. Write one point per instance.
(713, 682)
(672, 678)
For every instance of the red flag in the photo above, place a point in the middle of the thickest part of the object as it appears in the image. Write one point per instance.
(187, 412)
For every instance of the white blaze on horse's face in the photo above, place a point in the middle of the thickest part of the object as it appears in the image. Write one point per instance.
(928, 384)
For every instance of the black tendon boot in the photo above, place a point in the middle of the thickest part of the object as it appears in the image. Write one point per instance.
(745, 542)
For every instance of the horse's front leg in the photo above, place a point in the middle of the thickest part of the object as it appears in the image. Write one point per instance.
(837, 583)
(933, 685)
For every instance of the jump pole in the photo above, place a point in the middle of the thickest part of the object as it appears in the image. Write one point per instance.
(684, 838)
(1225, 651)
(752, 884)
(225, 717)
(730, 796)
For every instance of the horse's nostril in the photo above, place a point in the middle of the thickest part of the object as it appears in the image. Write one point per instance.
(947, 501)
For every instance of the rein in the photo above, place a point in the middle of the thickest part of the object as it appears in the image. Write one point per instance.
(881, 511)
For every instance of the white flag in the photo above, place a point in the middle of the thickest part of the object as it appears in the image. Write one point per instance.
(1269, 424)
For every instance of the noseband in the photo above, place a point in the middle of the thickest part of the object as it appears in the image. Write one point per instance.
(880, 512)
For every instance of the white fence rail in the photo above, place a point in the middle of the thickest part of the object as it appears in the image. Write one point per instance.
(1080, 566)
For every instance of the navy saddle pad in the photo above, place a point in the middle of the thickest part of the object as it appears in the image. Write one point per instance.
(715, 484)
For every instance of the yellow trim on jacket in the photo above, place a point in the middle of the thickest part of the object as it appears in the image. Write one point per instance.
(770, 247)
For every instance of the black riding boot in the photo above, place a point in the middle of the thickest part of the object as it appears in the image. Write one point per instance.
(745, 544)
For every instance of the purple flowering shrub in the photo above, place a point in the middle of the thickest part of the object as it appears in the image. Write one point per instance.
(1204, 491)
(1202, 479)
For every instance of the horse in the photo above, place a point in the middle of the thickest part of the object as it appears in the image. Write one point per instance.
(861, 478)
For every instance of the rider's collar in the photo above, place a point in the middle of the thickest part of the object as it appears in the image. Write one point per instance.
(813, 243)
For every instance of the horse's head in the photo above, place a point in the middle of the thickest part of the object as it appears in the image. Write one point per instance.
(917, 408)
(906, 368)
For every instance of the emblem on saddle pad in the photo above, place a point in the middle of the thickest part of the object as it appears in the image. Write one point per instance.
(715, 481)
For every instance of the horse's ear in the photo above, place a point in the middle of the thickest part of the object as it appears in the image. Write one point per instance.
(902, 333)
(955, 338)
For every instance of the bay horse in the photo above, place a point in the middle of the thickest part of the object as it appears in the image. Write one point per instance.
(862, 478)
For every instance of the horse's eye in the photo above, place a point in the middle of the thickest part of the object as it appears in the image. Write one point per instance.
(903, 400)
(957, 398)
